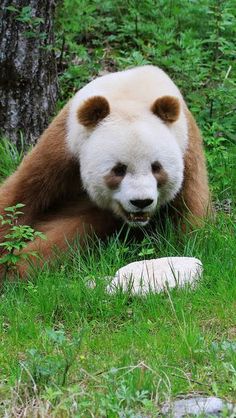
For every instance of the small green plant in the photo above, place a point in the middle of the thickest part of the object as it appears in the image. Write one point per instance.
(16, 239)
(53, 368)
(25, 15)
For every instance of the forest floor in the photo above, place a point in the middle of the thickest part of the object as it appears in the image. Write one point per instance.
(69, 350)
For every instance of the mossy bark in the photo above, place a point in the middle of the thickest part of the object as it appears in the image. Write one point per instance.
(28, 74)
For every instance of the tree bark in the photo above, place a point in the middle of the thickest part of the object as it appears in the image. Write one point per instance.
(28, 74)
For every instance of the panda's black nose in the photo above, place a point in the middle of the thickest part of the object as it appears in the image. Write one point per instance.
(141, 203)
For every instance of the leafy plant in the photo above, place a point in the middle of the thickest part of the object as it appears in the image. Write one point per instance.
(26, 16)
(54, 367)
(16, 239)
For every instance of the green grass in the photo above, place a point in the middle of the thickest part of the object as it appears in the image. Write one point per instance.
(67, 349)
(10, 158)
(70, 350)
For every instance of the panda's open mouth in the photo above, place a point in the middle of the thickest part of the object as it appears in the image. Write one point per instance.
(135, 217)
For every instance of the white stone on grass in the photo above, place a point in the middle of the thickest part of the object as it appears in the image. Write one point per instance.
(156, 275)
(196, 406)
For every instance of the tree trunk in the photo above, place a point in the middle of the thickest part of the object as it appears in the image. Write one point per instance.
(28, 74)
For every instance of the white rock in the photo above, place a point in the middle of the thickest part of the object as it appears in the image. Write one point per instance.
(156, 275)
(197, 406)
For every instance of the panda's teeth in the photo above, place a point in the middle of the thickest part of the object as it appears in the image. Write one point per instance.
(142, 217)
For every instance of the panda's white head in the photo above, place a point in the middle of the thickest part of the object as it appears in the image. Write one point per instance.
(131, 162)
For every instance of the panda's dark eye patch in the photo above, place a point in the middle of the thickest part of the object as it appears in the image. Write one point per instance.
(116, 175)
(156, 167)
(159, 173)
(119, 170)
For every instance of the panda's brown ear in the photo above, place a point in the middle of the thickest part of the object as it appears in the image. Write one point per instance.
(92, 111)
(167, 108)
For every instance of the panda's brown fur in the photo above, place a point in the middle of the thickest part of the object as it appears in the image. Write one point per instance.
(46, 182)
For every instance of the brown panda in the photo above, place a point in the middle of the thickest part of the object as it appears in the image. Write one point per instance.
(124, 146)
